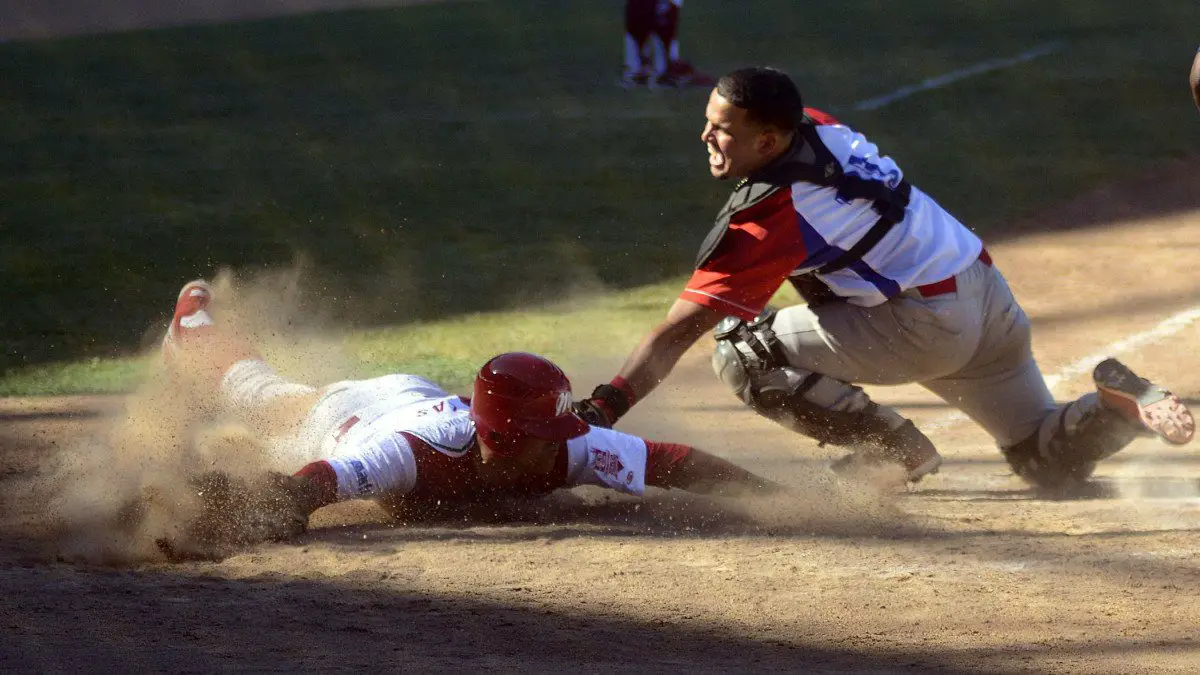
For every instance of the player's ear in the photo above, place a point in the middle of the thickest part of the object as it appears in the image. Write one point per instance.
(769, 141)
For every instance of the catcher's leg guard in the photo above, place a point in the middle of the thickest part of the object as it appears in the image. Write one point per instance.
(1069, 443)
(748, 360)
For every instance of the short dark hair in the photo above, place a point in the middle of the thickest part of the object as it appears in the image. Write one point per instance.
(768, 95)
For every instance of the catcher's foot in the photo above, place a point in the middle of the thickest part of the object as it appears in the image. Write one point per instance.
(191, 316)
(1143, 403)
(905, 446)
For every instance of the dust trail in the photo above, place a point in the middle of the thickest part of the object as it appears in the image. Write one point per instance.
(1154, 493)
(112, 495)
(816, 502)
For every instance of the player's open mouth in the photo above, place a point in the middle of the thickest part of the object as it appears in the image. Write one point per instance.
(715, 158)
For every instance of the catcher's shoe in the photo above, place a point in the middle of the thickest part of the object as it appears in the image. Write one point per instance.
(191, 316)
(1143, 403)
(905, 445)
(636, 78)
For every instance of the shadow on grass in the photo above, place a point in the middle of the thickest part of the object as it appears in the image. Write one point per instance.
(484, 166)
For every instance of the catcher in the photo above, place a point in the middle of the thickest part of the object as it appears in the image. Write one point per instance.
(896, 291)
(419, 450)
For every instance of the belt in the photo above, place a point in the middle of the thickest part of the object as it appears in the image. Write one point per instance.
(949, 285)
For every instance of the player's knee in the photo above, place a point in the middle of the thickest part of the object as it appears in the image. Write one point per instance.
(745, 352)
(730, 369)
(747, 359)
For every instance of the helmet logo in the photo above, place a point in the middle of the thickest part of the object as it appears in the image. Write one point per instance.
(564, 403)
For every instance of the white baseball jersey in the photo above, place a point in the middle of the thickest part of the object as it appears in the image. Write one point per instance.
(402, 435)
(804, 226)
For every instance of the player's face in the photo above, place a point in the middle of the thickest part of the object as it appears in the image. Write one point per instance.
(534, 457)
(736, 145)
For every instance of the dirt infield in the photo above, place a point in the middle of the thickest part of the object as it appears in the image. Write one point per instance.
(967, 573)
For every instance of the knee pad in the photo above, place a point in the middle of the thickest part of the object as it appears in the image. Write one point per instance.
(747, 359)
(729, 369)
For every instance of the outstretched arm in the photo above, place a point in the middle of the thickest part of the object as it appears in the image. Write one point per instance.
(672, 465)
(650, 362)
(653, 359)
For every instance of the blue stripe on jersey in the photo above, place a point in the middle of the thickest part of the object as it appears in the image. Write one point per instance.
(886, 286)
(819, 251)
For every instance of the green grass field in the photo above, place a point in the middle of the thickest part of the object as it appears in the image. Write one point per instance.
(447, 172)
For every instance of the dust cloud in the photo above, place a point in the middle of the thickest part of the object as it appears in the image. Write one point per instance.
(816, 501)
(114, 496)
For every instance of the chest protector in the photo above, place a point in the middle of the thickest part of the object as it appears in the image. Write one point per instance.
(809, 161)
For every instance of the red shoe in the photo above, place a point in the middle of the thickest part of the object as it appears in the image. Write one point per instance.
(1144, 403)
(191, 317)
(684, 74)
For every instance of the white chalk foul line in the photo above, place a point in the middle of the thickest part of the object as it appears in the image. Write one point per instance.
(1168, 327)
(571, 113)
(956, 75)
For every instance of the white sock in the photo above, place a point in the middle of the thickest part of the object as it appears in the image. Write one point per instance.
(633, 55)
(253, 383)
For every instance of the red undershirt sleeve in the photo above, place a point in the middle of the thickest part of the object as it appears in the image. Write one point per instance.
(758, 252)
(324, 478)
(661, 459)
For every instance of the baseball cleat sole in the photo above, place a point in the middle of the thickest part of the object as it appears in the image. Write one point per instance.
(1142, 402)
(190, 312)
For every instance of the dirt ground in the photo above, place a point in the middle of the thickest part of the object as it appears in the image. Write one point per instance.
(969, 572)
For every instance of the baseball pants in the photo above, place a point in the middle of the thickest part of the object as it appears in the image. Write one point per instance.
(971, 347)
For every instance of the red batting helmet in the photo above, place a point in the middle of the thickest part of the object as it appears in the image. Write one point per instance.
(519, 395)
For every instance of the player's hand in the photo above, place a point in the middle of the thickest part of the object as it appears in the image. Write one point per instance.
(606, 405)
(235, 513)
(592, 411)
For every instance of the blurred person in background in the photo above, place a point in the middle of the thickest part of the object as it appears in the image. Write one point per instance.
(652, 47)
(1195, 79)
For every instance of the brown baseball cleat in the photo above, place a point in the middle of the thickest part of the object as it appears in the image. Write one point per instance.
(1143, 403)
(905, 446)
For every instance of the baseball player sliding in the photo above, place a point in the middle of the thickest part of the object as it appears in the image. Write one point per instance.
(897, 291)
(404, 441)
